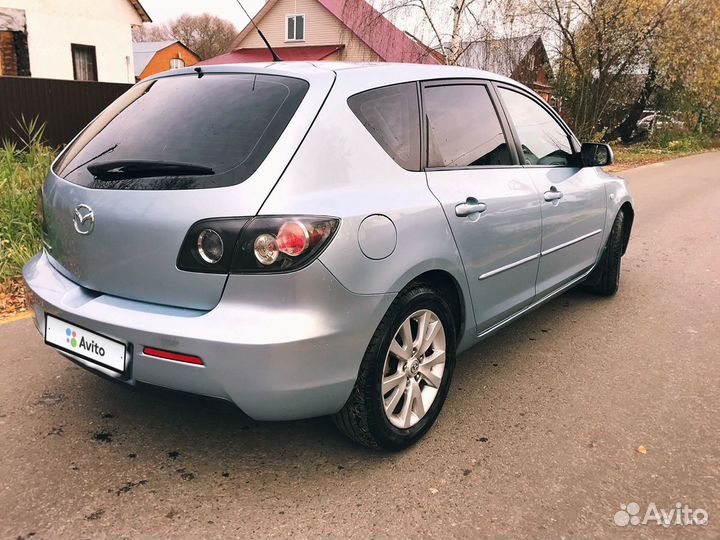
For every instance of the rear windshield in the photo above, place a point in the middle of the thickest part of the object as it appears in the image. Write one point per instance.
(221, 124)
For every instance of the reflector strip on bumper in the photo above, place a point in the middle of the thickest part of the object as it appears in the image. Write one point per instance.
(177, 357)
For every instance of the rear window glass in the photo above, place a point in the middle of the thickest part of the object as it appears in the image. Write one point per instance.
(223, 123)
(392, 116)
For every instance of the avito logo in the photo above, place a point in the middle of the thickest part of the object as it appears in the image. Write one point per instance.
(71, 337)
(89, 346)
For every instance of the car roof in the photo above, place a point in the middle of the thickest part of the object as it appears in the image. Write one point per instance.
(371, 73)
(414, 71)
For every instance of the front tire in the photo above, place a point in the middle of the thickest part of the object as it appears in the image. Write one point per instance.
(605, 279)
(405, 374)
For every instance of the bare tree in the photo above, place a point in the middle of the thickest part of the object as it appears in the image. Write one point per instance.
(150, 32)
(443, 26)
(206, 34)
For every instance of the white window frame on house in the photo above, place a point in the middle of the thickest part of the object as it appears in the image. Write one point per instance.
(177, 63)
(294, 17)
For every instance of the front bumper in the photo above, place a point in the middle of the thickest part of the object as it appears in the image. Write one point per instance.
(281, 347)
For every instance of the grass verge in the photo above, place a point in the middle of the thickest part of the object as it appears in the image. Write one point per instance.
(23, 168)
(663, 146)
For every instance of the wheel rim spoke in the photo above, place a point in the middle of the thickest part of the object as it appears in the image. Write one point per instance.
(438, 357)
(430, 335)
(394, 400)
(406, 411)
(393, 381)
(399, 351)
(422, 325)
(411, 378)
(431, 378)
(407, 334)
(418, 407)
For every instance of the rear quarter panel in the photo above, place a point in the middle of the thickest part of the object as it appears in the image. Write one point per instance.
(340, 170)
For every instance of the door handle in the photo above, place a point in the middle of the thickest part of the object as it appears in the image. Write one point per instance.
(553, 194)
(469, 207)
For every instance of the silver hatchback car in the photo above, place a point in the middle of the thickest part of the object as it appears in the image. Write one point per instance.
(317, 239)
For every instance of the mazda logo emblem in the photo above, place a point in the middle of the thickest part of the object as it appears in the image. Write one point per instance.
(84, 219)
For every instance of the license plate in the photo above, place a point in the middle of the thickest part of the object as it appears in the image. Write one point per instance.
(90, 346)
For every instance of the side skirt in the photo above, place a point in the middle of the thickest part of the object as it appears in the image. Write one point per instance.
(497, 326)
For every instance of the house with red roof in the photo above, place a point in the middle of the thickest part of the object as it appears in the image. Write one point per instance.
(337, 30)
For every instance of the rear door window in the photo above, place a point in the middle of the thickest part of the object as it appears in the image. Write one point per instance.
(463, 128)
(392, 116)
(223, 123)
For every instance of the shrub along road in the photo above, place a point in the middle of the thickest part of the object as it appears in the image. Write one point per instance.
(539, 437)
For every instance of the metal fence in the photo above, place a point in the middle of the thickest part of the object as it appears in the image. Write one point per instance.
(65, 107)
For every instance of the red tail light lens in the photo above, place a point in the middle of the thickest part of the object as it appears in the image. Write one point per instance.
(293, 238)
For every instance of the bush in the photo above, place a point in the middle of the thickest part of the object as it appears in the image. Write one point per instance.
(23, 168)
(681, 140)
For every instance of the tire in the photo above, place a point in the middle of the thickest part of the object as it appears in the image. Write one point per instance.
(605, 279)
(363, 418)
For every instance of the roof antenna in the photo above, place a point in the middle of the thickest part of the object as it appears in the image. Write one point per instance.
(275, 57)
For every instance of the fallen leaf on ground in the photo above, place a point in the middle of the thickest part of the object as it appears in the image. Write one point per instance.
(12, 298)
(641, 450)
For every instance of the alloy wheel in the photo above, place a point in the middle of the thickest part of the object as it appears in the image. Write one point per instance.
(414, 368)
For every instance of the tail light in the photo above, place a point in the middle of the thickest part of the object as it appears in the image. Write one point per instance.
(199, 251)
(261, 244)
(210, 246)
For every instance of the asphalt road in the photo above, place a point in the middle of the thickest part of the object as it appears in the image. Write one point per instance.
(537, 439)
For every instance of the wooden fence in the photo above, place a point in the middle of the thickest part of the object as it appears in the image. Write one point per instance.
(65, 107)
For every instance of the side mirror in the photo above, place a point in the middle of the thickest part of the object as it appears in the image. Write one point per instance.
(596, 155)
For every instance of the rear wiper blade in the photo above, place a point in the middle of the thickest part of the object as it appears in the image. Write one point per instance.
(145, 168)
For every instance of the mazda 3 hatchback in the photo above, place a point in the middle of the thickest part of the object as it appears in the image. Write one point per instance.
(308, 240)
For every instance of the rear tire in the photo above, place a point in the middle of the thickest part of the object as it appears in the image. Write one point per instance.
(402, 383)
(605, 278)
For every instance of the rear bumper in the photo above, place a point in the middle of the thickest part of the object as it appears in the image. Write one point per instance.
(280, 347)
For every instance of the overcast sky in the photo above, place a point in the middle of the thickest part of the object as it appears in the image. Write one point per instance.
(164, 10)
